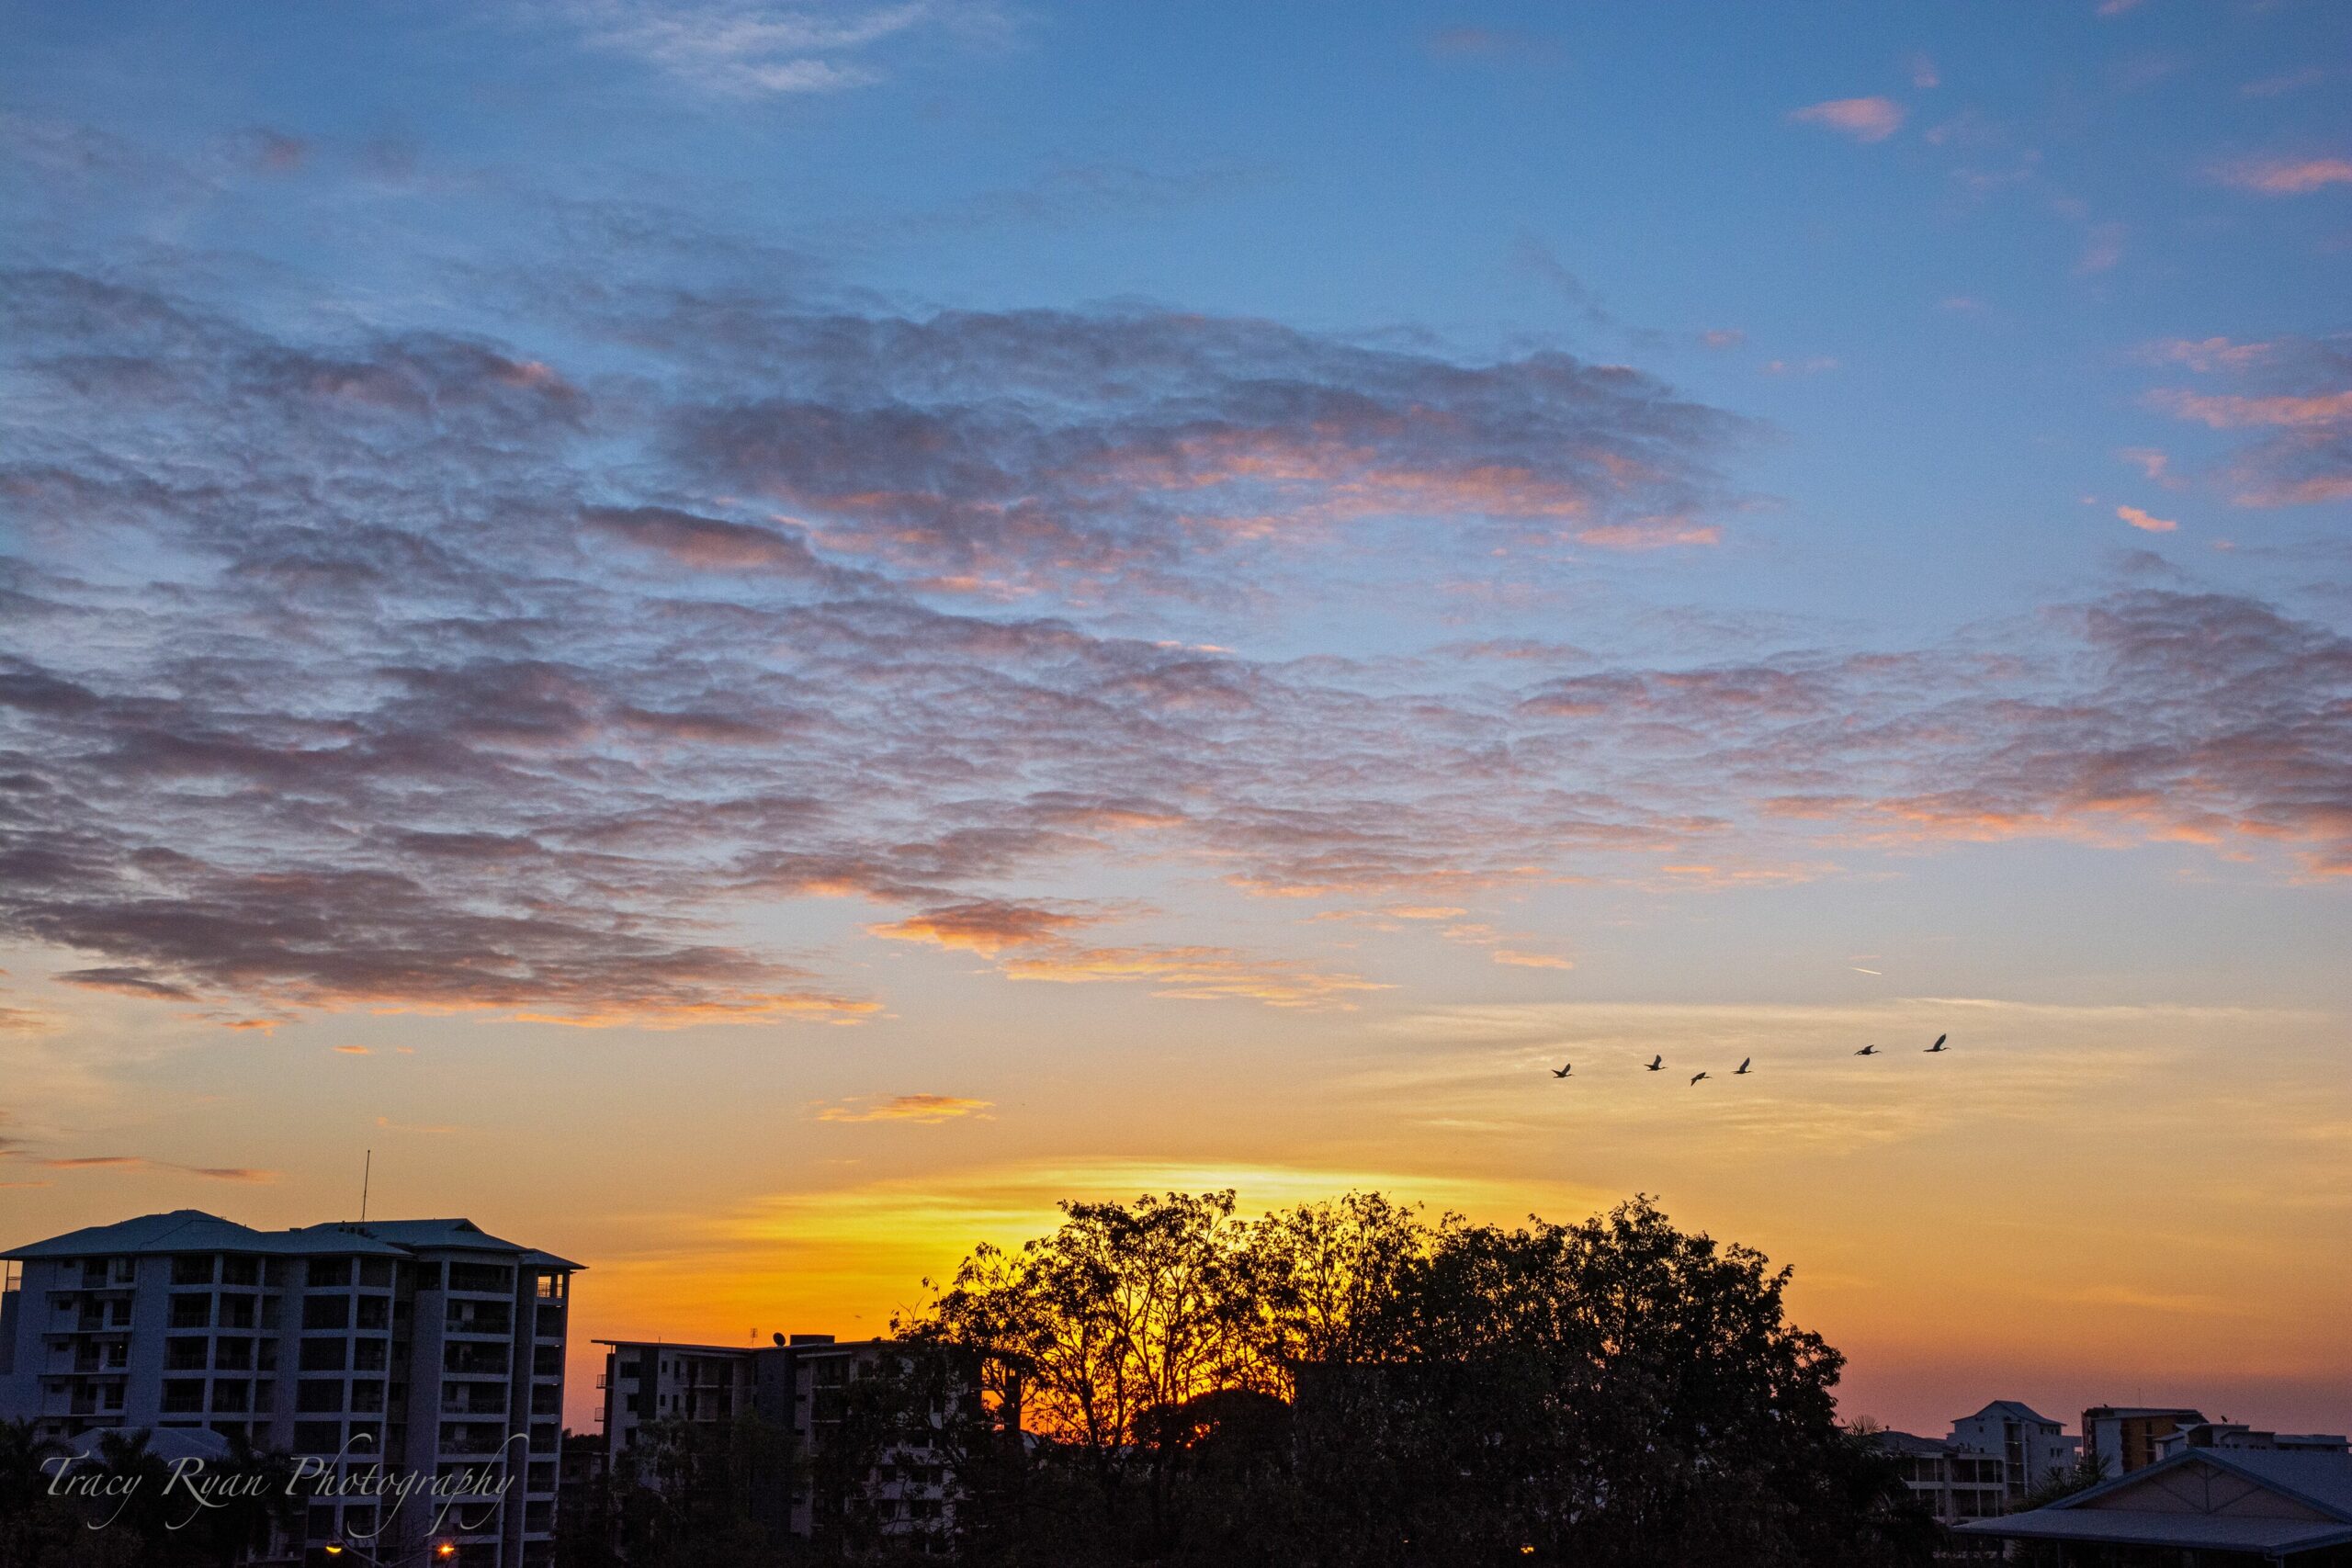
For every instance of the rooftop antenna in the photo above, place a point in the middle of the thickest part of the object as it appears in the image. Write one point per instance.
(366, 1170)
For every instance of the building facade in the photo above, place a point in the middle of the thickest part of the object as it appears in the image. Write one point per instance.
(1953, 1481)
(2032, 1446)
(2127, 1438)
(425, 1346)
(796, 1389)
(2238, 1436)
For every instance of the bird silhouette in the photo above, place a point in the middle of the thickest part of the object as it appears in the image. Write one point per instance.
(1562, 1071)
(1867, 1051)
(1695, 1077)
(1657, 1062)
(1939, 1045)
(1743, 1066)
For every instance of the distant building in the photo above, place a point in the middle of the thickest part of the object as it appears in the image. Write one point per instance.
(425, 1345)
(796, 1388)
(2203, 1505)
(2236, 1435)
(2032, 1446)
(2123, 1438)
(653, 1381)
(1955, 1481)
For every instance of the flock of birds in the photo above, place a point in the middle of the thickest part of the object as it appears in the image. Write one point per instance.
(1658, 1064)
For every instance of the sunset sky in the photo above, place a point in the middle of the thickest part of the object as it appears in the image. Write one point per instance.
(753, 641)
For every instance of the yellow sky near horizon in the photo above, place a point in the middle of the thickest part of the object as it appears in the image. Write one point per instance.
(2077, 1203)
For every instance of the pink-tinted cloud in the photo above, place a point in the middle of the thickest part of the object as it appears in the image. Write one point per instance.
(2141, 520)
(540, 731)
(1864, 119)
(2290, 176)
(2298, 390)
(922, 1110)
(2154, 466)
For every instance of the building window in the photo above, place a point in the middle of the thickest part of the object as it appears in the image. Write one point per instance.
(192, 1311)
(192, 1270)
(326, 1312)
(324, 1355)
(317, 1436)
(317, 1395)
(240, 1270)
(482, 1277)
(182, 1396)
(185, 1355)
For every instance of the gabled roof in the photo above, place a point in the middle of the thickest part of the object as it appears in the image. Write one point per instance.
(2015, 1410)
(193, 1230)
(2319, 1483)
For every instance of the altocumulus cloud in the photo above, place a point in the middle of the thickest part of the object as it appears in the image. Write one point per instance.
(2296, 392)
(421, 671)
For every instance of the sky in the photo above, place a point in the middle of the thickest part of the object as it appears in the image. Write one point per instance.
(750, 642)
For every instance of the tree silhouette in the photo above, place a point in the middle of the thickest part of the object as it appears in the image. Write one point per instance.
(1346, 1383)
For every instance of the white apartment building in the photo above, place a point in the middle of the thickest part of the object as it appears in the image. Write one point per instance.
(2032, 1446)
(425, 1345)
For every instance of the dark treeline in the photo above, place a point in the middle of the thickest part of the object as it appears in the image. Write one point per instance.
(1340, 1385)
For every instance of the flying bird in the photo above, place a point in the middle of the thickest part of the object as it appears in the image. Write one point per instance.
(1657, 1062)
(1697, 1077)
(1939, 1045)
(1867, 1051)
(1743, 1066)
(1562, 1071)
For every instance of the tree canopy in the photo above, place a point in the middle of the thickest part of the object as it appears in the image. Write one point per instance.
(1352, 1382)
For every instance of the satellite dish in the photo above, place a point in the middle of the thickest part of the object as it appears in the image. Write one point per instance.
(778, 1337)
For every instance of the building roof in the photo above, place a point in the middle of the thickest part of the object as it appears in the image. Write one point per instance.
(2317, 1485)
(1913, 1444)
(2013, 1409)
(193, 1230)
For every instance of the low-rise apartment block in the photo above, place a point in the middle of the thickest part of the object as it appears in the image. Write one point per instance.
(1953, 1482)
(796, 1388)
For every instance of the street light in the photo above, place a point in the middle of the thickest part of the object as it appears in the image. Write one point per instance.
(443, 1551)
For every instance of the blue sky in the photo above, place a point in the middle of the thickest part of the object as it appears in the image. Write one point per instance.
(910, 573)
